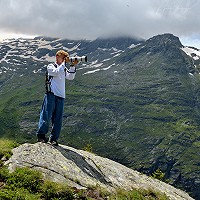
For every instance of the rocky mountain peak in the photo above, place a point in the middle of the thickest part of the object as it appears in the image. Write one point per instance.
(81, 169)
(165, 39)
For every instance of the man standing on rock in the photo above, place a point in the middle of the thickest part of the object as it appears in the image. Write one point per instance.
(53, 103)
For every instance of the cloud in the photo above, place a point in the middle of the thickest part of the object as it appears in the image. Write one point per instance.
(89, 19)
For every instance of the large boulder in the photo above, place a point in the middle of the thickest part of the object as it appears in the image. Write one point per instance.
(81, 169)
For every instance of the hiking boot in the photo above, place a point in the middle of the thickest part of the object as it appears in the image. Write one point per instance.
(41, 138)
(53, 142)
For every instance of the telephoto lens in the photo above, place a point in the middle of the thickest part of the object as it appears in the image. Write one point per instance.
(79, 58)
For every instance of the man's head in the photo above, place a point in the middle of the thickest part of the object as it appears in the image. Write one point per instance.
(61, 55)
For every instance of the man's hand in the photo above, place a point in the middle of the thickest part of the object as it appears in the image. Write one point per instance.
(75, 62)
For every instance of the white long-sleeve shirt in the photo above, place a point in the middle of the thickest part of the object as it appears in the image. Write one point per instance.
(59, 75)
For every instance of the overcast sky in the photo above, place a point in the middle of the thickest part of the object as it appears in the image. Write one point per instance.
(89, 19)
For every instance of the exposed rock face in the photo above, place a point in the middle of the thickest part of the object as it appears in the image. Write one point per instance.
(80, 169)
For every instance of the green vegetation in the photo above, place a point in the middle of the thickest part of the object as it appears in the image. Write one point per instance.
(25, 178)
(138, 195)
(6, 147)
(88, 148)
(158, 174)
(28, 184)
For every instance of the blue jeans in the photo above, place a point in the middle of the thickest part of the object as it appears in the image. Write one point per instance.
(52, 111)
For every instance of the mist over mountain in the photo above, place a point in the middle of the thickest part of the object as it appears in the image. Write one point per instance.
(135, 101)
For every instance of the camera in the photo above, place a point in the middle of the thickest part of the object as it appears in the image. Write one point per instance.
(79, 58)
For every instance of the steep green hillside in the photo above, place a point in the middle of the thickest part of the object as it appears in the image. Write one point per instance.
(142, 110)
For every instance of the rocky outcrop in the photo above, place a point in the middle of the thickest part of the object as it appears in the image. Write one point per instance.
(81, 169)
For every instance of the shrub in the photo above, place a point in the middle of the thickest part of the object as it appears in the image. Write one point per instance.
(25, 178)
(88, 148)
(124, 195)
(18, 194)
(4, 173)
(6, 147)
(52, 190)
(158, 174)
(137, 195)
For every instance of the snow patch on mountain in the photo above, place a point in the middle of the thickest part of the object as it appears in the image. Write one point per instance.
(25, 52)
(96, 70)
(192, 52)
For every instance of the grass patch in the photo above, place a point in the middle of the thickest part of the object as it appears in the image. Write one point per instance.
(6, 147)
(51, 190)
(26, 178)
(18, 193)
(138, 195)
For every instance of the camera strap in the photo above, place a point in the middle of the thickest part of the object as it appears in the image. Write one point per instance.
(48, 80)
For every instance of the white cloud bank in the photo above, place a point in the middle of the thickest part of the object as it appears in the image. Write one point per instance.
(89, 19)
